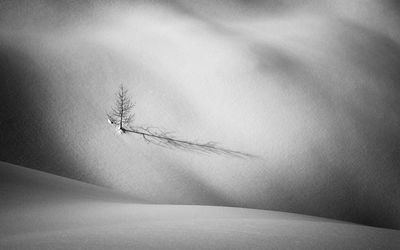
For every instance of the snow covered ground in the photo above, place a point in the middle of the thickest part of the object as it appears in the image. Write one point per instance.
(44, 211)
(310, 86)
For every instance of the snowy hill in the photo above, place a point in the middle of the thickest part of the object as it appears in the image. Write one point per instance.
(43, 211)
(311, 87)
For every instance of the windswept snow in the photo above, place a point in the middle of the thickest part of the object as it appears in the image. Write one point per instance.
(43, 211)
(312, 87)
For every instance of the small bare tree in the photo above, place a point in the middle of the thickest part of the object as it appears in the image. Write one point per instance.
(121, 116)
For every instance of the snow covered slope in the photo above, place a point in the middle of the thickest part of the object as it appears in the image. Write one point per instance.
(312, 87)
(43, 211)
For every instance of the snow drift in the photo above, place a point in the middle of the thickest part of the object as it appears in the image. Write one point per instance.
(43, 211)
(310, 87)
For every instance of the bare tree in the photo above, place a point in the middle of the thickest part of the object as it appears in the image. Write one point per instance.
(121, 114)
(122, 117)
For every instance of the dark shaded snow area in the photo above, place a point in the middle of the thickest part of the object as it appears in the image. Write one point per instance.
(44, 211)
(311, 87)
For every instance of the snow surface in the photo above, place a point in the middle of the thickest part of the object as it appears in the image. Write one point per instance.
(44, 211)
(310, 86)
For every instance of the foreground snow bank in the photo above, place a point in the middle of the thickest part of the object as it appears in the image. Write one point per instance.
(43, 211)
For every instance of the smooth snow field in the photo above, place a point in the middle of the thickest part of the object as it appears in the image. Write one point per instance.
(43, 211)
(310, 87)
